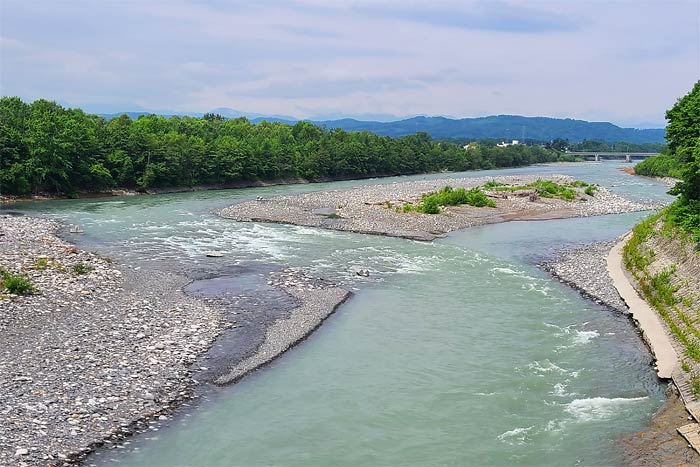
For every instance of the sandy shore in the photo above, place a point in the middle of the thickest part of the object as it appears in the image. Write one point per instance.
(97, 355)
(372, 209)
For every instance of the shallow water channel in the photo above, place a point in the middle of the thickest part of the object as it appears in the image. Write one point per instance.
(457, 352)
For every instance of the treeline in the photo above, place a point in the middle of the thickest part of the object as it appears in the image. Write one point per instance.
(561, 144)
(45, 148)
(681, 160)
(619, 146)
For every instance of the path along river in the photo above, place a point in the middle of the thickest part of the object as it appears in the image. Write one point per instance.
(457, 352)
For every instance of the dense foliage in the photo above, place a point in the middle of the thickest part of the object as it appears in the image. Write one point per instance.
(47, 148)
(663, 165)
(682, 161)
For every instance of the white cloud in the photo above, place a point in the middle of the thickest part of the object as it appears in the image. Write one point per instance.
(625, 61)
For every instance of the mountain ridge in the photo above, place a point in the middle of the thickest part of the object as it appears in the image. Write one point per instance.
(506, 127)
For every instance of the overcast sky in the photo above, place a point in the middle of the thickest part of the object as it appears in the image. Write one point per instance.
(624, 61)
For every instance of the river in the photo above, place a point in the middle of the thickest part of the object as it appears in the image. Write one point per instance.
(456, 352)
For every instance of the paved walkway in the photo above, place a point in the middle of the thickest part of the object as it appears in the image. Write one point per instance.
(647, 319)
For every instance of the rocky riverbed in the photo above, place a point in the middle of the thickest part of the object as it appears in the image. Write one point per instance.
(100, 351)
(377, 209)
(92, 350)
(585, 269)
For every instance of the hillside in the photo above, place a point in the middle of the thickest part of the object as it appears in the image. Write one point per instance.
(493, 127)
(505, 127)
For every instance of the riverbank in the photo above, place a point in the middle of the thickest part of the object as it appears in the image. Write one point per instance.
(101, 351)
(668, 181)
(586, 269)
(378, 209)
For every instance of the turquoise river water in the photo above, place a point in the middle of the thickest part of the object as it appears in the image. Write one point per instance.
(456, 352)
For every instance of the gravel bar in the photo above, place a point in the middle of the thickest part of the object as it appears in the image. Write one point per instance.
(585, 269)
(100, 352)
(318, 300)
(372, 209)
(94, 350)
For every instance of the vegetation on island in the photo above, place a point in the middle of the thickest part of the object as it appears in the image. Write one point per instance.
(46, 148)
(448, 196)
(432, 203)
(546, 188)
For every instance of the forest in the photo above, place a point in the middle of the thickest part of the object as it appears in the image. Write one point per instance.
(681, 160)
(48, 149)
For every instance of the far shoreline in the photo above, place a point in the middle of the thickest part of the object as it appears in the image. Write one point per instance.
(9, 200)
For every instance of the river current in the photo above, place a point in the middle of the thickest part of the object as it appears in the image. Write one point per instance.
(456, 352)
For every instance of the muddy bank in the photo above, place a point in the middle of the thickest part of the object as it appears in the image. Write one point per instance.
(377, 209)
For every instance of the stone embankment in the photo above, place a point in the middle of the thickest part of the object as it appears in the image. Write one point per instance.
(102, 351)
(373, 209)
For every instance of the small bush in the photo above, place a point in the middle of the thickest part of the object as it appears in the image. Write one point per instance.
(476, 197)
(82, 268)
(41, 264)
(549, 189)
(447, 196)
(663, 287)
(15, 284)
(590, 190)
(430, 205)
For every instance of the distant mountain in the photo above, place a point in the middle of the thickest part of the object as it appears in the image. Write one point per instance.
(503, 127)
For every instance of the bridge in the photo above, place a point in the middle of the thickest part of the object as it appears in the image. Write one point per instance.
(598, 155)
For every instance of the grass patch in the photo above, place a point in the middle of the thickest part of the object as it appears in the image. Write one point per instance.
(658, 289)
(590, 190)
(82, 268)
(635, 255)
(695, 384)
(15, 283)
